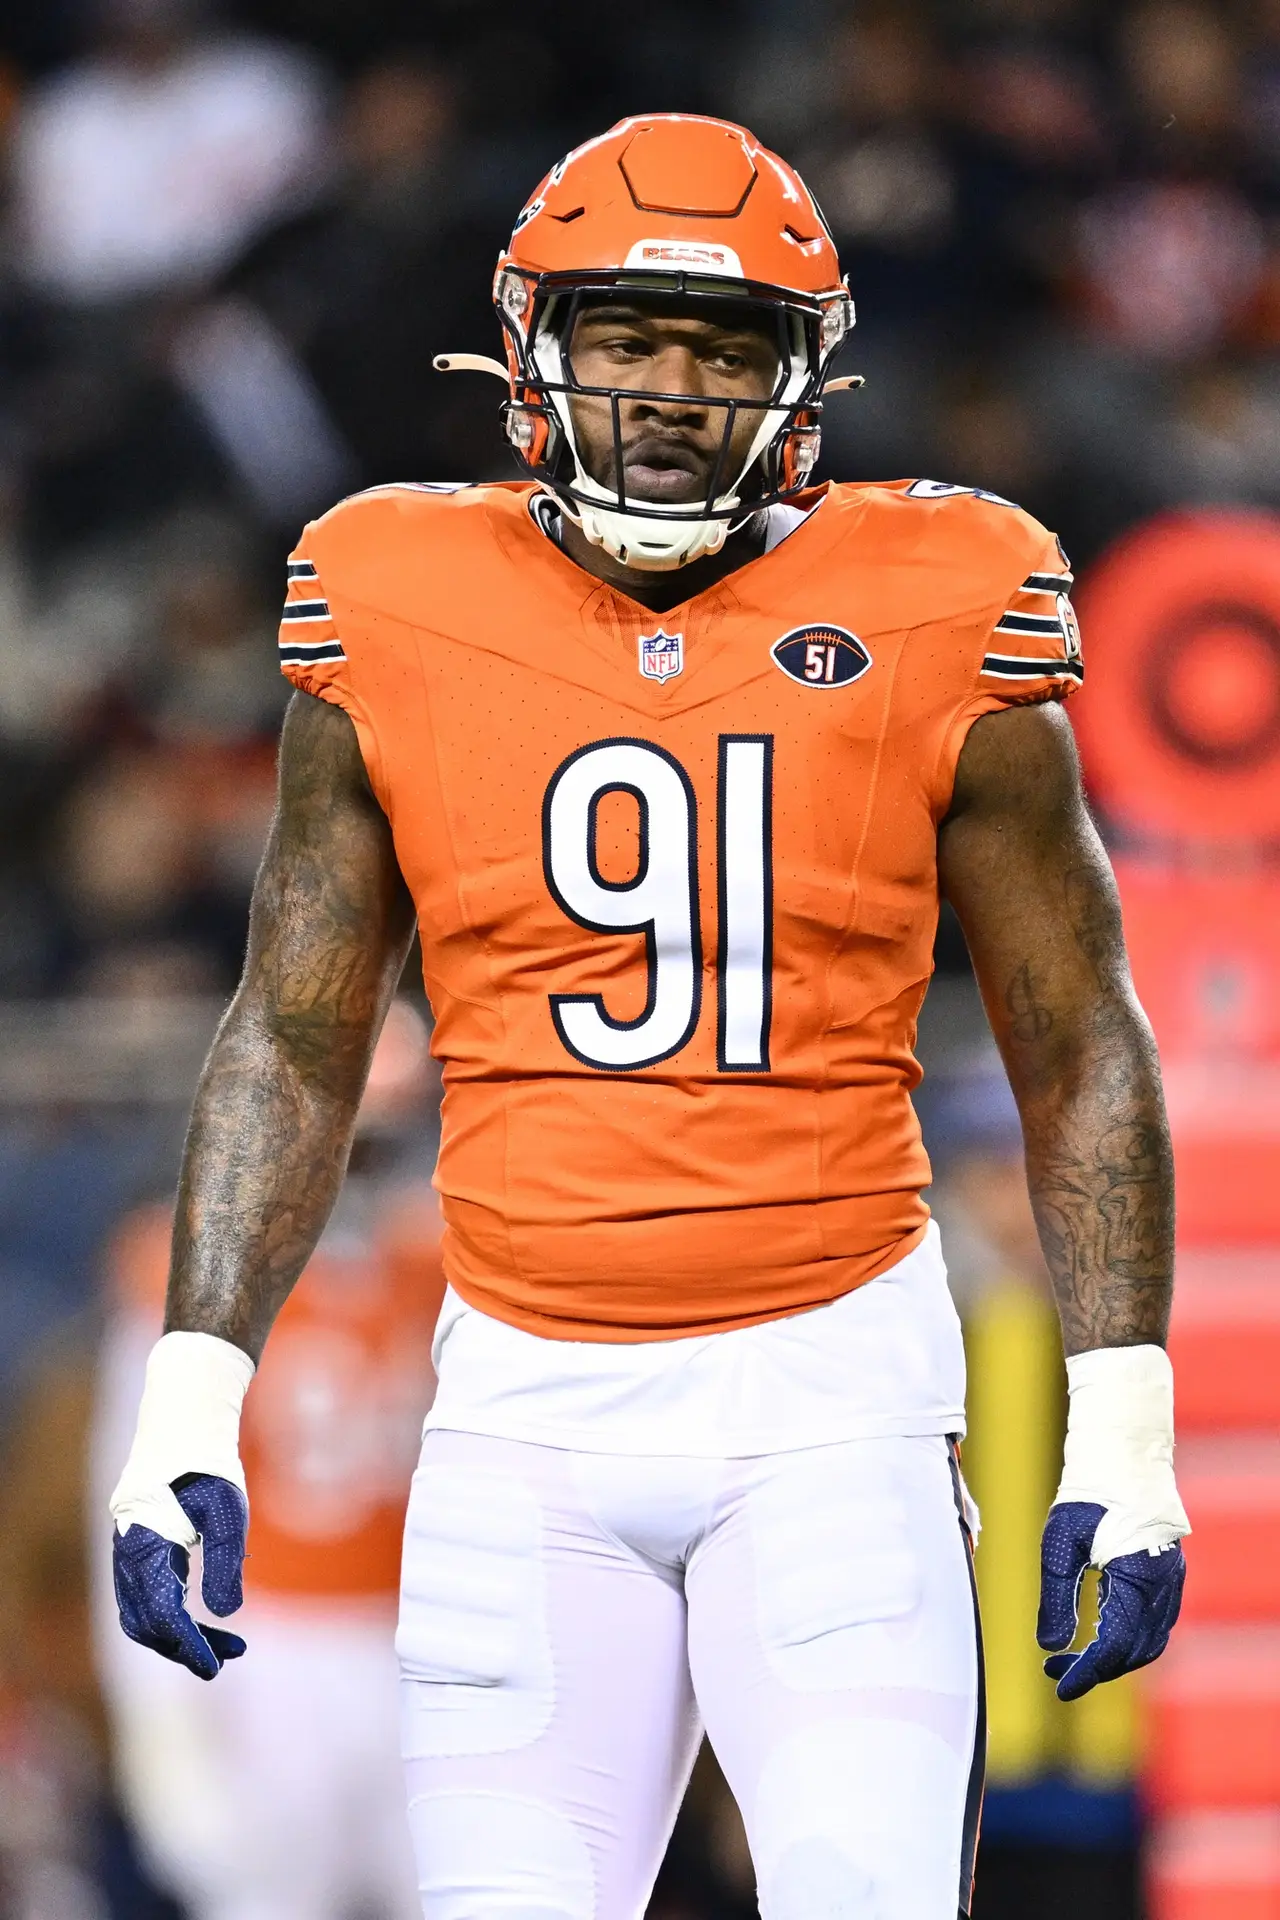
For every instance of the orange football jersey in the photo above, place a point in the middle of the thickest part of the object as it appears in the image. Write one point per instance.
(675, 875)
(333, 1418)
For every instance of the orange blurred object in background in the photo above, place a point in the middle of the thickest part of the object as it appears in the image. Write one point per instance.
(1179, 717)
(1205, 952)
(1180, 732)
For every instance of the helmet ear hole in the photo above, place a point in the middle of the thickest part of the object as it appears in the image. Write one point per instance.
(800, 449)
(530, 431)
(521, 428)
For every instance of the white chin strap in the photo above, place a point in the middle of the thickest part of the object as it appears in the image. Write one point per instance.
(644, 536)
(644, 540)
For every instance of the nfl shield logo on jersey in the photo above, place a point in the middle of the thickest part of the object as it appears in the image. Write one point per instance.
(661, 654)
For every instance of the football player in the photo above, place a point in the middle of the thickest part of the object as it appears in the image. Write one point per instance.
(669, 754)
(276, 1795)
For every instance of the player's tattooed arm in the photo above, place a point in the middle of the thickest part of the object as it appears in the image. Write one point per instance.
(1023, 866)
(330, 925)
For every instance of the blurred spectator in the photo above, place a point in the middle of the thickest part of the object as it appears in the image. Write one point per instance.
(147, 163)
(881, 167)
(104, 440)
(884, 171)
(135, 871)
(1025, 102)
(141, 715)
(1182, 63)
(1262, 90)
(986, 431)
(65, 1176)
(59, 649)
(1169, 267)
(1034, 103)
(1170, 260)
(261, 411)
(139, 171)
(208, 676)
(52, 1744)
(44, 1635)
(1219, 441)
(389, 268)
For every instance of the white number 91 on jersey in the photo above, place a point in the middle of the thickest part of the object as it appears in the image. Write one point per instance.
(661, 900)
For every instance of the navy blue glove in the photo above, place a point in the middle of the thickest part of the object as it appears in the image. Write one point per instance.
(151, 1577)
(1139, 1595)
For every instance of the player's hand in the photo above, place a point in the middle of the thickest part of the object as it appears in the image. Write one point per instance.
(182, 1484)
(1117, 1509)
(1139, 1595)
(151, 1576)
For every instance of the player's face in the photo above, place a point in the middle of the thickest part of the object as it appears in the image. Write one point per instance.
(669, 448)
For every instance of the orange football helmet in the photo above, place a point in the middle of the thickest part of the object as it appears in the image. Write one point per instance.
(698, 208)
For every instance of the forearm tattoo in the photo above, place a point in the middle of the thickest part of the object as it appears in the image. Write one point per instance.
(1099, 1162)
(274, 1112)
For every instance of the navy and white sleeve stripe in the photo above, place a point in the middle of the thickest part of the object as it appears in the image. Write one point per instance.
(1042, 619)
(307, 633)
(1018, 666)
(306, 610)
(300, 655)
(1036, 625)
(1047, 583)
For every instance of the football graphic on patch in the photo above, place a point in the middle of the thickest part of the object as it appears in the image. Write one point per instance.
(821, 656)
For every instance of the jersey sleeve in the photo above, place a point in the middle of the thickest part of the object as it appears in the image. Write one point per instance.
(312, 654)
(1033, 650)
(1025, 652)
(318, 657)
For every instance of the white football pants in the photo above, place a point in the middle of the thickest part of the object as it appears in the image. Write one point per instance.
(570, 1621)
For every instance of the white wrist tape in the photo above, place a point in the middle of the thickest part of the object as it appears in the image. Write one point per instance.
(188, 1422)
(1119, 1449)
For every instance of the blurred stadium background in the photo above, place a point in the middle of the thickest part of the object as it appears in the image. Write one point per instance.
(231, 238)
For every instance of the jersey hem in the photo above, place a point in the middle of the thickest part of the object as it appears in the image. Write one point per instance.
(611, 1334)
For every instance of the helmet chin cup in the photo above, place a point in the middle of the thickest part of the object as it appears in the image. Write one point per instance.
(648, 544)
(651, 542)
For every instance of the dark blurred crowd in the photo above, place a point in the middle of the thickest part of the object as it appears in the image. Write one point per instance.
(233, 239)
